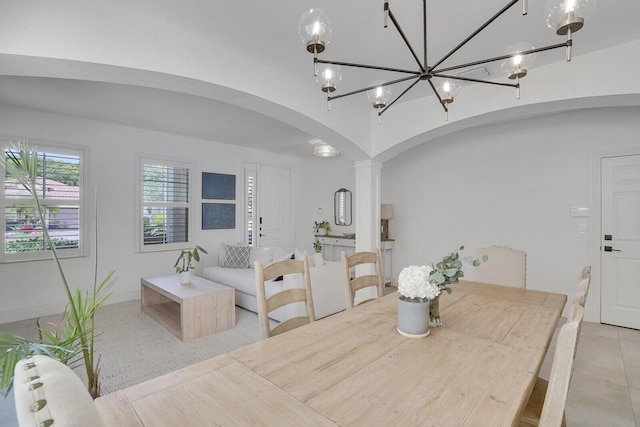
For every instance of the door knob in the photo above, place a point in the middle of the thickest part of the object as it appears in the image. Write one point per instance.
(610, 249)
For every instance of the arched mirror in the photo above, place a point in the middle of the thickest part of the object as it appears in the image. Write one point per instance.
(342, 207)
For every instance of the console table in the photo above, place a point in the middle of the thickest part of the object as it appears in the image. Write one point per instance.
(333, 246)
(189, 311)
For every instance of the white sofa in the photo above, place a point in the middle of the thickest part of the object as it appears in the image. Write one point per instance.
(327, 283)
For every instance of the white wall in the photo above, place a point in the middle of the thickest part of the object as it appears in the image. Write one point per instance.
(31, 289)
(510, 184)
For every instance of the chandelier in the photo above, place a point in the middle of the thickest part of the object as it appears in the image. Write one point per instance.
(316, 29)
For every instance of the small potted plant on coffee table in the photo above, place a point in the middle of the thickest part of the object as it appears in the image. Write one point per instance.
(184, 262)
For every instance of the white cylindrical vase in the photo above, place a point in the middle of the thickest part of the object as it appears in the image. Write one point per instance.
(185, 277)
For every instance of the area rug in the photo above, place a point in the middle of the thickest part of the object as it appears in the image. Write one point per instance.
(134, 348)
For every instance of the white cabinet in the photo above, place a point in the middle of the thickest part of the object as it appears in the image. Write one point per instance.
(333, 246)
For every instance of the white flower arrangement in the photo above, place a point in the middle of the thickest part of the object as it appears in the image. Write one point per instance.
(413, 283)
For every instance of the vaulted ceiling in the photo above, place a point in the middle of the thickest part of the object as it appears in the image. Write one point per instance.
(236, 71)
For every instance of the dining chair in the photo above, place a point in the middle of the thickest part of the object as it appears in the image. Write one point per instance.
(358, 282)
(49, 393)
(505, 266)
(546, 405)
(586, 271)
(285, 297)
(580, 297)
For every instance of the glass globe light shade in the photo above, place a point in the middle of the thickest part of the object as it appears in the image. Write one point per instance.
(328, 76)
(379, 95)
(315, 29)
(448, 89)
(518, 64)
(558, 12)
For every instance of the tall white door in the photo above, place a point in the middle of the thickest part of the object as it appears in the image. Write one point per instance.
(274, 207)
(620, 242)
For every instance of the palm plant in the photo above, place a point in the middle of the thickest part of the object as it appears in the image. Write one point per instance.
(74, 340)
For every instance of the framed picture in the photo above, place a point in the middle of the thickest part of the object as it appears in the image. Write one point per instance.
(218, 186)
(217, 216)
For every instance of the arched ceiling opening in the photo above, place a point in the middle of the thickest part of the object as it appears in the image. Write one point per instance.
(236, 72)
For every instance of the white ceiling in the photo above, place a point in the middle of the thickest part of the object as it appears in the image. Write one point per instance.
(267, 31)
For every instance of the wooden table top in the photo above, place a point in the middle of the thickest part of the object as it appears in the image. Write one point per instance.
(169, 285)
(354, 368)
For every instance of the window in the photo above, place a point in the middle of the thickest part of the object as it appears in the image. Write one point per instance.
(60, 193)
(164, 204)
(250, 207)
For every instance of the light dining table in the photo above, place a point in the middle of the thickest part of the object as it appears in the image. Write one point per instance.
(355, 369)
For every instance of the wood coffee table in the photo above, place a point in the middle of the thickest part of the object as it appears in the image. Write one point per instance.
(189, 311)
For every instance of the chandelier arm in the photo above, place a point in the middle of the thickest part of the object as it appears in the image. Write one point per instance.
(433, 87)
(404, 37)
(370, 67)
(403, 79)
(399, 96)
(475, 33)
(469, 79)
(500, 58)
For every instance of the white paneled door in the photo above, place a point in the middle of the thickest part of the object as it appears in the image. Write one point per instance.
(274, 201)
(620, 242)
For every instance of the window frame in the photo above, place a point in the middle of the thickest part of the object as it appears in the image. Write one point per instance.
(83, 236)
(141, 160)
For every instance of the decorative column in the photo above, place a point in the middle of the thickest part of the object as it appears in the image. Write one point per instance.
(367, 214)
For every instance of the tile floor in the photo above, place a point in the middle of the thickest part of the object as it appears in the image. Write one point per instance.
(605, 390)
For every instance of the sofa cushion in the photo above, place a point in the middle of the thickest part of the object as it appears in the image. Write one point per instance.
(264, 255)
(243, 279)
(236, 256)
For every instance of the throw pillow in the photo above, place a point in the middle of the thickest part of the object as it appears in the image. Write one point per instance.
(281, 278)
(317, 259)
(236, 256)
(312, 262)
(264, 255)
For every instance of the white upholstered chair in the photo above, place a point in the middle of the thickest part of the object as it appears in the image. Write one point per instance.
(48, 393)
(505, 266)
(586, 271)
(548, 399)
(288, 296)
(580, 297)
(363, 281)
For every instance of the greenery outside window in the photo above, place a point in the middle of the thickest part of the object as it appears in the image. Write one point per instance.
(163, 204)
(60, 190)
